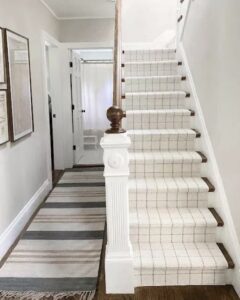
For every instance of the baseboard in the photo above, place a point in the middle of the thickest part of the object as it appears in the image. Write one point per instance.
(228, 233)
(11, 234)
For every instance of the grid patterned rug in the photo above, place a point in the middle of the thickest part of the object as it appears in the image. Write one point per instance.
(58, 256)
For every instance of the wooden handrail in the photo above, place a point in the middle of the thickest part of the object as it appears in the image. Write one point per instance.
(117, 74)
(115, 113)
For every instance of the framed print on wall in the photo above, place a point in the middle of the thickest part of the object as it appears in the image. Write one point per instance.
(19, 86)
(3, 118)
(2, 59)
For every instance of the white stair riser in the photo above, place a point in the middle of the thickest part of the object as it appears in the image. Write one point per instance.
(175, 277)
(158, 121)
(143, 103)
(153, 84)
(155, 169)
(163, 145)
(180, 234)
(154, 142)
(151, 69)
(151, 199)
(145, 55)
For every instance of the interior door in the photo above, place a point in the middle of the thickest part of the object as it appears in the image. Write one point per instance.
(77, 109)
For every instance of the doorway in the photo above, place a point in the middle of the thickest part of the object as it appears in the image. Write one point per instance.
(53, 106)
(91, 91)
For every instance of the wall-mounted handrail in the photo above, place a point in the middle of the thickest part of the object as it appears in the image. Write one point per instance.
(115, 113)
(184, 9)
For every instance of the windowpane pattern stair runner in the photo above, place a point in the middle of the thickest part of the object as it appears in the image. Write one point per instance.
(58, 256)
(172, 230)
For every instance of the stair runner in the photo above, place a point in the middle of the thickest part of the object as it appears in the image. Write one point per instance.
(172, 230)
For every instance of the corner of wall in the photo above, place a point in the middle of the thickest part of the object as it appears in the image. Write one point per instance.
(228, 234)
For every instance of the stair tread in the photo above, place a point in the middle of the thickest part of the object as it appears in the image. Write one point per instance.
(180, 112)
(166, 156)
(150, 50)
(183, 184)
(157, 256)
(178, 77)
(162, 131)
(156, 93)
(155, 62)
(172, 217)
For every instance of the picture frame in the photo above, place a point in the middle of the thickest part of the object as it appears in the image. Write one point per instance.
(4, 134)
(18, 69)
(2, 58)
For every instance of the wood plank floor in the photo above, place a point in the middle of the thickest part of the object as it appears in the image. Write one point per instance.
(167, 293)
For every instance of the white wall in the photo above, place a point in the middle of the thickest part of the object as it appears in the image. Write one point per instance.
(89, 30)
(150, 21)
(211, 41)
(212, 46)
(24, 166)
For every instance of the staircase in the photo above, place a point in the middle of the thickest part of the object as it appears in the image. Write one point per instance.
(172, 228)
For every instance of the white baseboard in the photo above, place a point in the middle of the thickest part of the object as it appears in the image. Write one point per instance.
(10, 235)
(228, 233)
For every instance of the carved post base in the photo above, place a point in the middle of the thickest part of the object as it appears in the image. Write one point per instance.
(119, 274)
(119, 257)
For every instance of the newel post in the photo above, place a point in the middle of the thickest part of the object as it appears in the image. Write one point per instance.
(118, 261)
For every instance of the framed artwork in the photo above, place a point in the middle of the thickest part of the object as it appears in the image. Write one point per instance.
(3, 118)
(19, 85)
(2, 59)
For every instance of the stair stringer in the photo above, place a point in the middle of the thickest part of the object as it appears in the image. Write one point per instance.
(218, 200)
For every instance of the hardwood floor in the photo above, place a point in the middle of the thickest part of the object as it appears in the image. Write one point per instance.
(56, 176)
(167, 293)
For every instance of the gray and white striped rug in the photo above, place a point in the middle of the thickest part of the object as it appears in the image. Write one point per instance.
(58, 256)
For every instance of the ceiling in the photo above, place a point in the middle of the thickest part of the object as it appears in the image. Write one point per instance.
(80, 9)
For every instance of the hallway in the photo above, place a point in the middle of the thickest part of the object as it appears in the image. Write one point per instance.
(119, 150)
(59, 253)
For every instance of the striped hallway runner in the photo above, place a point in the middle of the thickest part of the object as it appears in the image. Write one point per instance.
(58, 256)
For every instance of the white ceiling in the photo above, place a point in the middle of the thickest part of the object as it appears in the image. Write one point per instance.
(80, 9)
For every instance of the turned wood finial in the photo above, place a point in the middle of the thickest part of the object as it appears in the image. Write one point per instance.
(115, 115)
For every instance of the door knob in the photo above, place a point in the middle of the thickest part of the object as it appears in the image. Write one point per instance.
(83, 110)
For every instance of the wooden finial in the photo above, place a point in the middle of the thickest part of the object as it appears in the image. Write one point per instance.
(115, 115)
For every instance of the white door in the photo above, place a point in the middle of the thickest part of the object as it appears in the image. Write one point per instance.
(77, 109)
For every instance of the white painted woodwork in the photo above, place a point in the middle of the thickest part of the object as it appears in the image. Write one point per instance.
(119, 257)
(78, 109)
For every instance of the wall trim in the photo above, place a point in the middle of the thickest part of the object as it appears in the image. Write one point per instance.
(49, 9)
(229, 233)
(12, 232)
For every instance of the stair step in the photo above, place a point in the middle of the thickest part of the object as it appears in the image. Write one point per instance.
(151, 68)
(153, 83)
(154, 100)
(158, 119)
(149, 55)
(162, 139)
(172, 225)
(168, 192)
(166, 264)
(166, 164)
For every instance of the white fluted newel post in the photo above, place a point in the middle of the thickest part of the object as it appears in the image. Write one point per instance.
(119, 258)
